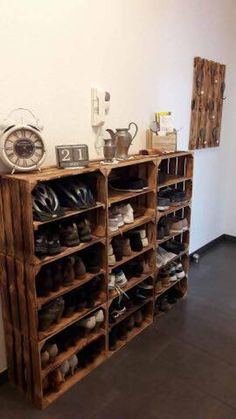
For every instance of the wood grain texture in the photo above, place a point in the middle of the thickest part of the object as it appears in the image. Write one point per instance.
(207, 103)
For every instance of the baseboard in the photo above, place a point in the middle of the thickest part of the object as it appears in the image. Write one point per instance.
(3, 377)
(212, 243)
(208, 246)
(229, 238)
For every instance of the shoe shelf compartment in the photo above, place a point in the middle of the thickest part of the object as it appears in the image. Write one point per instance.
(133, 255)
(42, 384)
(18, 213)
(120, 342)
(78, 282)
(135, 307)
(173, 210)
(184, 259)
(149, 215)
(68, 214)
(174, 170)
(151, 236)
(67, 251)
(145, 171)
(68, 321)
(84, 368)
(172, 236)
(72, 350)
(131, 283)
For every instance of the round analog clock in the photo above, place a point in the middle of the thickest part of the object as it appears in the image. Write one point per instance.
(22, 147)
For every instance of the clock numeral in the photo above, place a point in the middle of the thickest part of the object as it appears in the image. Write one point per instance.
(65, 154)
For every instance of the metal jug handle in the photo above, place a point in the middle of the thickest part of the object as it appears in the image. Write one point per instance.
(136, 129)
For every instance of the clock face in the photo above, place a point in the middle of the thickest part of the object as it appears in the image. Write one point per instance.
(24, 148)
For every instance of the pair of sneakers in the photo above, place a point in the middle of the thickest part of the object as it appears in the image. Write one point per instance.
(163, 256)
(117, 280)
(120, 215)
(92, 322)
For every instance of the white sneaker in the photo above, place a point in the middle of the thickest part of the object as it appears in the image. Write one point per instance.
(127, 213)
(111, 260)
(167, 256)
(88, 323)
(99, 316)
(145, 242)
(121, 279)
(111, 282)
(159, 260)
(113, 223)
(180, 271)
(115, 212)
(110, 250)
(142, 233)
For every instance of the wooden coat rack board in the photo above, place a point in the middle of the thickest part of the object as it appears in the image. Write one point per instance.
(207, 103)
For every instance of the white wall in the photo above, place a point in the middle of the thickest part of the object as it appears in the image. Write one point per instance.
(141, 51)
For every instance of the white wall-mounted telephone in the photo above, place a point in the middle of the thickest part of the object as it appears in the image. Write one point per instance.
(100, 102)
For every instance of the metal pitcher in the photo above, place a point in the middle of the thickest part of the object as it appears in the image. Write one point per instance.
(109, 150)
(123, 139)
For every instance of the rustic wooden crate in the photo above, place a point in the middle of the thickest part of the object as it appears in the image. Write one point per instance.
(164, 143)
(20, 266)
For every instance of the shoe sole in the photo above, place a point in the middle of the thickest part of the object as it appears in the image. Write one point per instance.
(163, 208)
(129, 190)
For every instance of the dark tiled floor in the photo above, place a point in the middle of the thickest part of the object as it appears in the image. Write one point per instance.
(183, 367)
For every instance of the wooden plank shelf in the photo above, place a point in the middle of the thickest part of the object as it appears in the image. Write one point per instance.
(67, 251)
(64, 290)
(129, 312)
(67, 321)
(52, 173)
(63, 356)
(132, 282)
(137, 222)
(71, 381)
(171, 236)
(174, 180)
(118, 196)
(165, 289)
(173, 209)
(132, 256)
(68, 214)
(132, 334)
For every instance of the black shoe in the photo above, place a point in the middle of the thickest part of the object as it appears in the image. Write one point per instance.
(117, 249)
(174, 246)
(70, 305)
(44, 282)
(122, 332)
(133, 268)
(135, 240)
(57, 276)
(41, 243)
(131, 184)
(92, 261)
(112, 340)
(84, 230)
(69, 235)
(54, 244)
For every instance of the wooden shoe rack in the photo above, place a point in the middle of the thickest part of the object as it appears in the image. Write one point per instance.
(20, 266)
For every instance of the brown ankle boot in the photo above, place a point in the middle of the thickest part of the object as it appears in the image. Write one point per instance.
(79, 268)
(125, 247)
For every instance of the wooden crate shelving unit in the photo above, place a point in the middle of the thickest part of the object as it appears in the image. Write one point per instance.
(20, 266)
